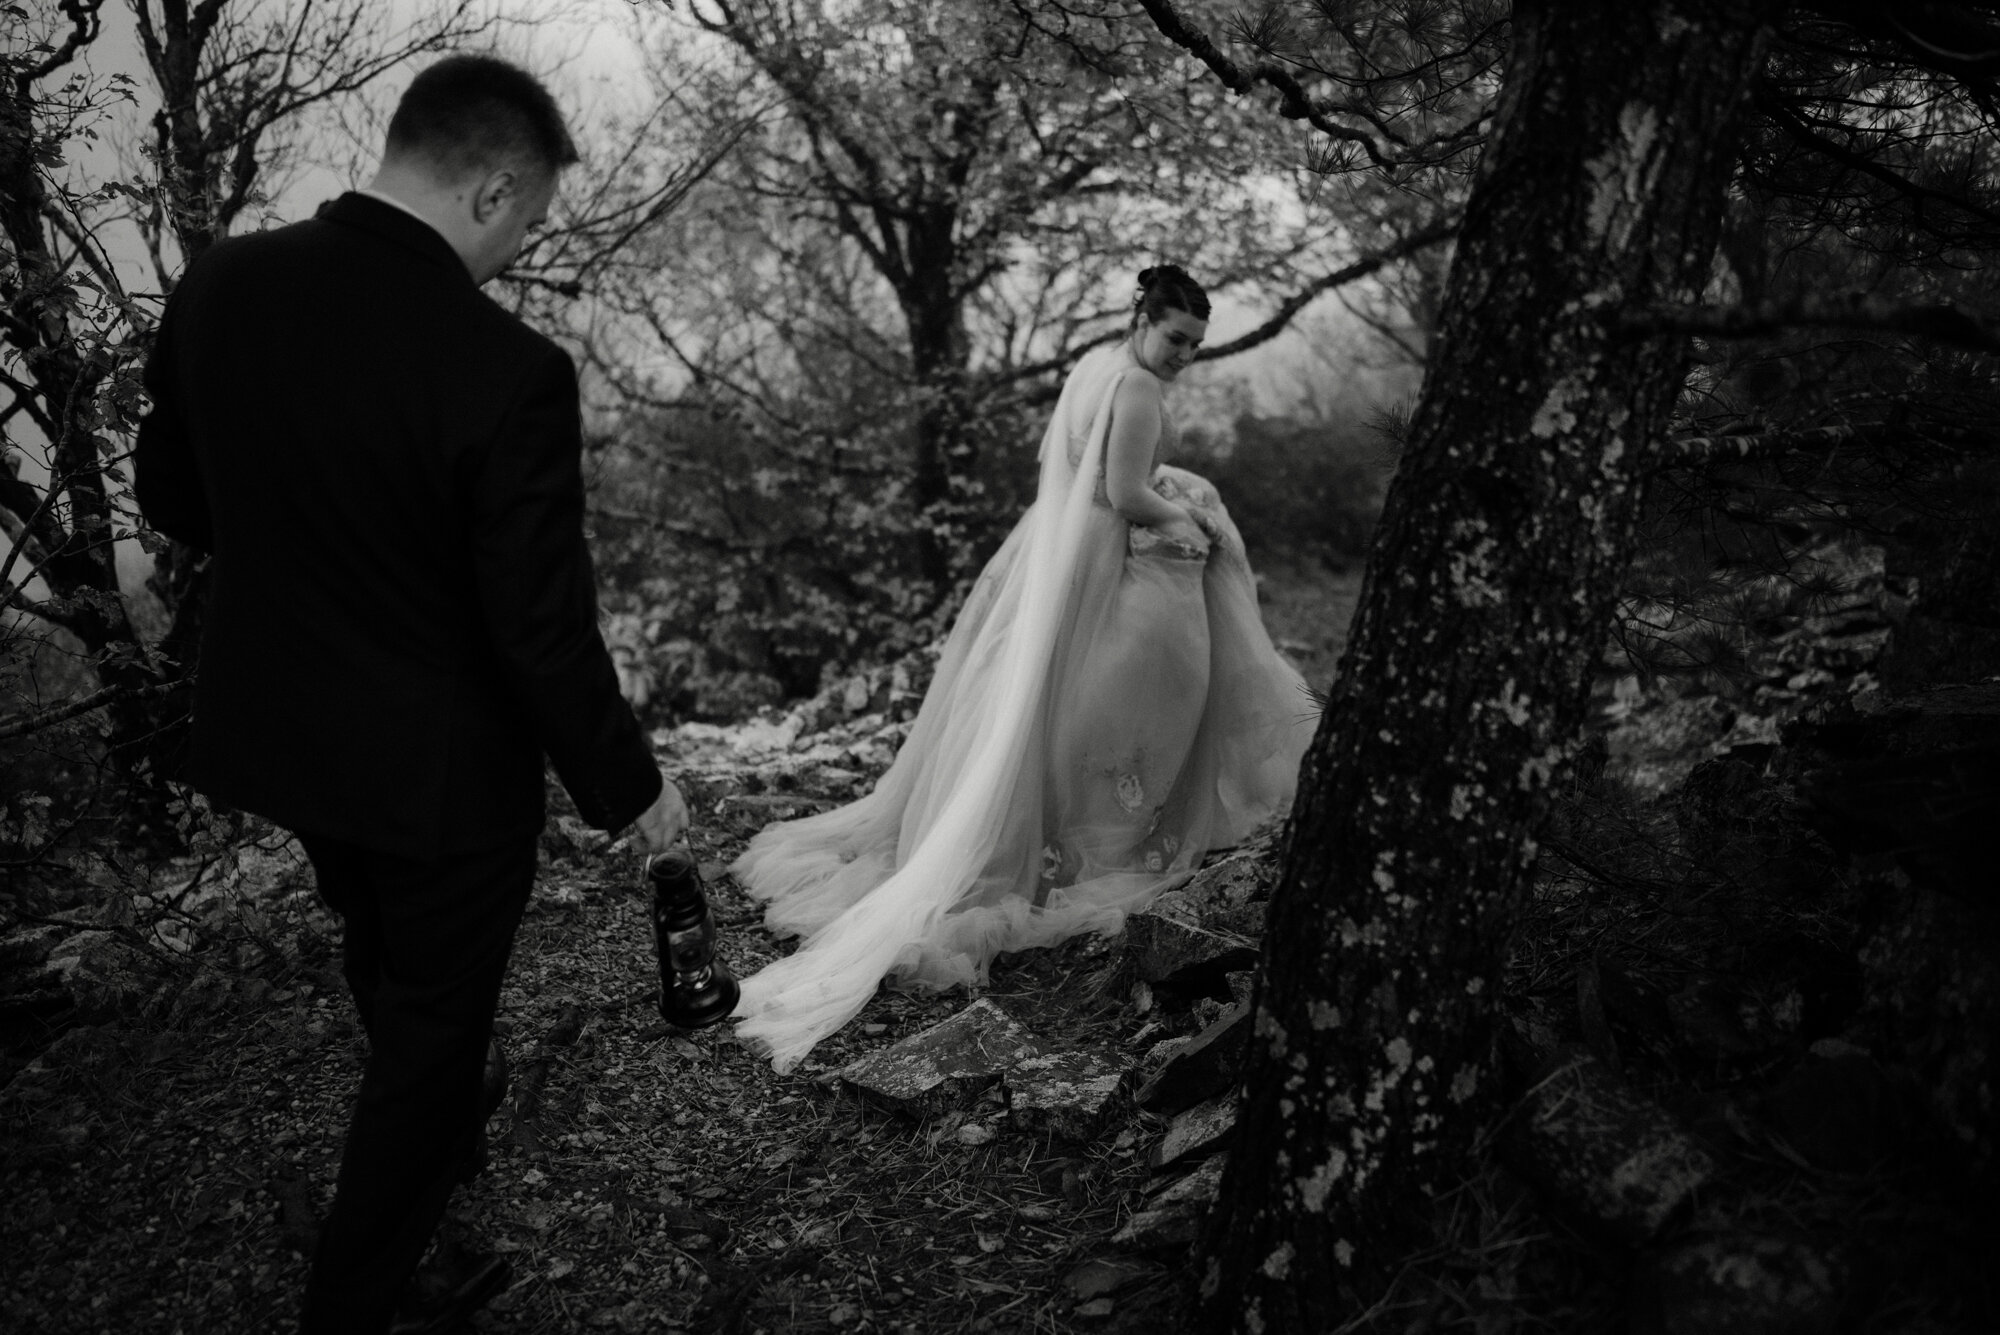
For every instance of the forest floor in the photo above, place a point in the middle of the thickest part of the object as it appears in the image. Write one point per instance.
(163, 1162)
(162, 1166)
(663, 1181)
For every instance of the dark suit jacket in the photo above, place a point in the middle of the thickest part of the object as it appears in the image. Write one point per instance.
(402, 618)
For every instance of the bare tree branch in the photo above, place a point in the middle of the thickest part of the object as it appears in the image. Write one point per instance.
(1442, 230)
(1694, 451)
(1293, 102)
(85, 25)
(23, 724)
(1945, 324)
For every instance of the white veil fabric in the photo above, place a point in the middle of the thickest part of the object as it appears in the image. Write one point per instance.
(961, 850)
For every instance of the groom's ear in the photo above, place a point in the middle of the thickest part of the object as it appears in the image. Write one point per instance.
(493, 192)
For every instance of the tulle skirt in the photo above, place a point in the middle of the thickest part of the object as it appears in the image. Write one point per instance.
(1163, 724)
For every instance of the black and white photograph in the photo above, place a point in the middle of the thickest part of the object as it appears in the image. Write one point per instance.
(999, 667)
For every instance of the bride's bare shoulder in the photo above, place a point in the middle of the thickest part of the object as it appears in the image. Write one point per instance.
(1139, 388)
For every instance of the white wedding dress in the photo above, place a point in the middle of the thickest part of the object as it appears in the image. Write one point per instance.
(1107, 708)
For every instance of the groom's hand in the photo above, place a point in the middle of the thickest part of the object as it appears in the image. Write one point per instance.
(664, 822)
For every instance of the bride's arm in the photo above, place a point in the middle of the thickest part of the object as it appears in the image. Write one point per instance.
(1128, 462)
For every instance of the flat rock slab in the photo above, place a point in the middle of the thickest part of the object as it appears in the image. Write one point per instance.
(1201, 1069)
(1197, 1131)
(946, 1066)
(1606, 1155)
(1074, 1095)
(1172, 1220)
(1161, 947)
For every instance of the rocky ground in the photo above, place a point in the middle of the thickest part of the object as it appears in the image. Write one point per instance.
(1727, 1119)
(164, 1162)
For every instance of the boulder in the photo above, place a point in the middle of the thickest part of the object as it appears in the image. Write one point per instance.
(1171, 1221)
(944, 1067)
(1166, 944)
(1073, 1095)
(1202, 1067)
(1603, 1154)
(1198, 1131)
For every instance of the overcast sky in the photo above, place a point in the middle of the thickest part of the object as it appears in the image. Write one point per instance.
(585, 48)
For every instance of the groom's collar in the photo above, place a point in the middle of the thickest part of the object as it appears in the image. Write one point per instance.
(393, 222)
(395, 203)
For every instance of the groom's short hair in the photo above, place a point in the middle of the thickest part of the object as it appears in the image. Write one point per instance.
(471, 113)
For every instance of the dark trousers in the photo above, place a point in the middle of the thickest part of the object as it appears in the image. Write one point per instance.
(426, 946)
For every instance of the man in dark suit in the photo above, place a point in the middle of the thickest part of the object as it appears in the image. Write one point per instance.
(402, 617)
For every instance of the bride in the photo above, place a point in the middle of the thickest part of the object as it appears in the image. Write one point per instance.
(1107, 708)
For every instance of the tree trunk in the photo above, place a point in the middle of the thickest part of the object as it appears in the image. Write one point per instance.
(945, 449)
(1489, 592)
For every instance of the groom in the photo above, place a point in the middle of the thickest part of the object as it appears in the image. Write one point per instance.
(402, 620)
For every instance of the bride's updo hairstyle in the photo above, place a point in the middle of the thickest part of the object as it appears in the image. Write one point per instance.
(1168, 288)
